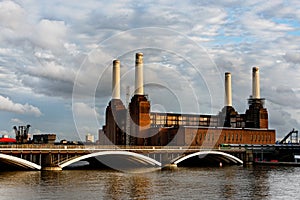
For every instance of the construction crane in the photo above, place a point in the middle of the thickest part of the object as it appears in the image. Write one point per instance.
(293, 135)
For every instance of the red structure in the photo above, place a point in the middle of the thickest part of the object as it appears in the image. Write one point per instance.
(4, 140)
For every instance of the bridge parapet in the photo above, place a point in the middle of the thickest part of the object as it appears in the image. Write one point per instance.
(55, 156)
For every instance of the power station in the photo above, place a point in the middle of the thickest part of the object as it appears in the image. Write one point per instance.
(137, 125)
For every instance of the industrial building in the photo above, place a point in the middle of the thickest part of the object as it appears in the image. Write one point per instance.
(43, 138)
(137, 125)
(23, 136)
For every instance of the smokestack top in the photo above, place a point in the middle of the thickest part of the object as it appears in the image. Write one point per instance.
(139, 58)
(255, 69)
(116, 62)
(227, 73)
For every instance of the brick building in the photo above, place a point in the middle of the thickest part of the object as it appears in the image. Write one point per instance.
(161, 129)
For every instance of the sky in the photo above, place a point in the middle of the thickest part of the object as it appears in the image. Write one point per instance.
(56, 59)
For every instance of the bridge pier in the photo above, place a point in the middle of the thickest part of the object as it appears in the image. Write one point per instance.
(169, 167)
(165, 160)
(248, 160)
(48, 164)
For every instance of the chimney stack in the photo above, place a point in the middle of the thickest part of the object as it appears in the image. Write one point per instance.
(255, 83)
(228, 95)
(116, 80)
(139, 85)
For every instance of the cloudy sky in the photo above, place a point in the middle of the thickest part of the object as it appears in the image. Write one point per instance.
(56, 57)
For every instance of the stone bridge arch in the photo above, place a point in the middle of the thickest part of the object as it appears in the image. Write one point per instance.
(19, 162)
(216, 156)
(131, 156)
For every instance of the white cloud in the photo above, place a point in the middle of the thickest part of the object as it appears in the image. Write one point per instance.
(50, 34)
(8, 105)
(12, 15)
(51, 70)
(86, 118)
(293, 57)
(17, 121)
(84, 110)
(42, 45)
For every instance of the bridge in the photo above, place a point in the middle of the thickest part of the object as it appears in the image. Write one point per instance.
(58, 157)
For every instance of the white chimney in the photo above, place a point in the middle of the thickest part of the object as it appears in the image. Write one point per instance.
(255, 83)
(228, 95)
(116, 80)
(139, 85)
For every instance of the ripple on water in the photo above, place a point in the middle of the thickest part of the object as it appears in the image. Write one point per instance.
(234, 182)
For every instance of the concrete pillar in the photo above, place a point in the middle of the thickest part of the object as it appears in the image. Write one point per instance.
(228, 95)
(248, 157)
(116, 80)
(139, 79)
(47, 163)
(255, 83)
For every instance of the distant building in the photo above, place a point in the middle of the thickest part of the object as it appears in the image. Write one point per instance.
(89, 138)
(44, 139)
(100, 137)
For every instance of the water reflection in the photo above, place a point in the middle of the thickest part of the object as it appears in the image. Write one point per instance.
(229, 188)
(259, 182)
(185, 183)
(246, 183)
(128, 186)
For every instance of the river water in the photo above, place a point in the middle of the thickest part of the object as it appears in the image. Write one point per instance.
(232, 182)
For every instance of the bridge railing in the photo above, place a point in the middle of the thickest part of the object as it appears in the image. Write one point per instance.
(90, 146)
(114, 147)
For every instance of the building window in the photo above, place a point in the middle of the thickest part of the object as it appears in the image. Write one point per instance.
(233, 124)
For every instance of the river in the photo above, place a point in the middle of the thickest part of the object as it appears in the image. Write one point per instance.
(232, 182)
